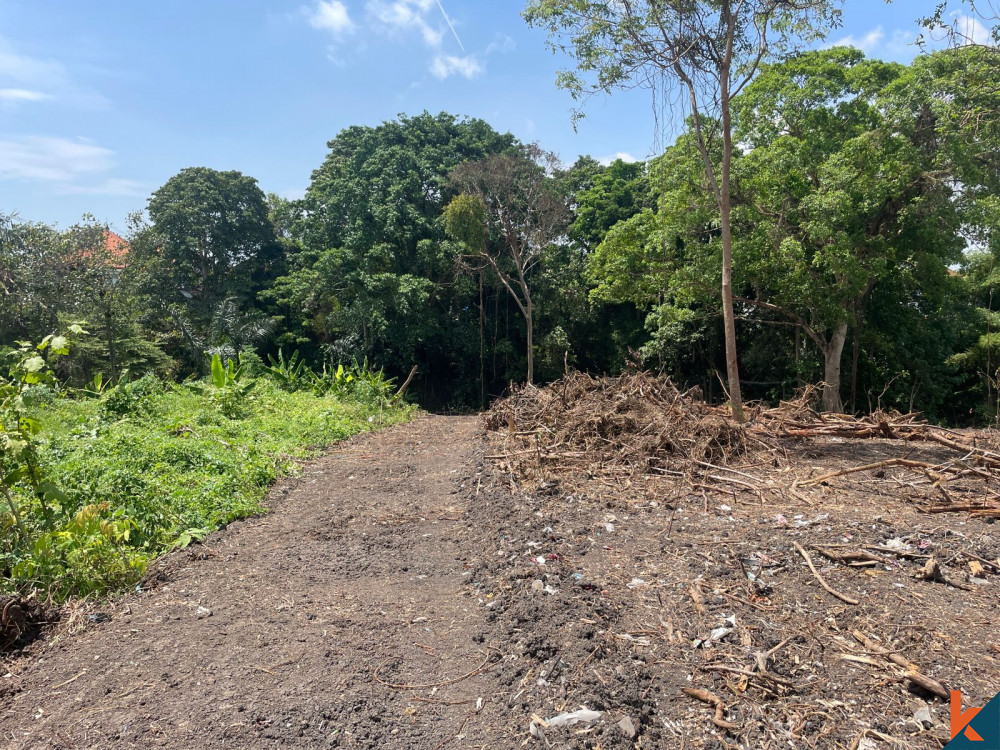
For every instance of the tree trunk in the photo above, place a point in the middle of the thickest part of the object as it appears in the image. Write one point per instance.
(855, 357)
(833, 352)
(529, 324)
(482, 356)
(728, 316)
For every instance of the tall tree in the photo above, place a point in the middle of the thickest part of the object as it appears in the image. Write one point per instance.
(216, 239)
(711, 49)
(519, 202)
(376, 274)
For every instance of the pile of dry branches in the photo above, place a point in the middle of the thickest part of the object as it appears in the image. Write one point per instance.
(640, 424)
(635, 423)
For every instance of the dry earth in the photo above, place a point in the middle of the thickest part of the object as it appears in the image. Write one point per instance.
(405, 593)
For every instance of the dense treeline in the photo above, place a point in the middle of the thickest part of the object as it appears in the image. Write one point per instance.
(864, 215)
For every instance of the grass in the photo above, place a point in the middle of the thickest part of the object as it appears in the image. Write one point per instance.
(149, 467)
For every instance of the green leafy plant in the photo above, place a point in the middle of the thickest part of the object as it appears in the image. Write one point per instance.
(29, 370)
(230, 390)
(292, 374)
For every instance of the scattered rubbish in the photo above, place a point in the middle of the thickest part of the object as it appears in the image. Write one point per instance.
(99, 617)
(582, 716)
(203, 612)
(627, 727)
(923, 717)
(635, 583)
(729, 624)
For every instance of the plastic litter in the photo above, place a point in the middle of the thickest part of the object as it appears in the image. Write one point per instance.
(582, 716)
(729, 624)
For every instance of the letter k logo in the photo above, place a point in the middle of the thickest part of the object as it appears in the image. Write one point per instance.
(960, 720)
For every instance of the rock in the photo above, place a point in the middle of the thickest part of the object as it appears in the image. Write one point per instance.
(627, 727)
(537, 586)
(203, 612)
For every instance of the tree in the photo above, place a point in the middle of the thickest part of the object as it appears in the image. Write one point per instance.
(711, 49)
(843, 189)
(511, 196)
(375, 273)
(215, 237)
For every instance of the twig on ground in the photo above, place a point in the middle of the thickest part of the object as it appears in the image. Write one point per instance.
(822, 582)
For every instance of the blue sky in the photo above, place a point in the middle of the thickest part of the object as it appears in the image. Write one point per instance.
(100, 103)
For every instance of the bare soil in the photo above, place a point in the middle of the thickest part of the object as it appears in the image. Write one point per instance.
(410, 591)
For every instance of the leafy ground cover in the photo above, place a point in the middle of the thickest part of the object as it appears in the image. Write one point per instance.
(149, 466)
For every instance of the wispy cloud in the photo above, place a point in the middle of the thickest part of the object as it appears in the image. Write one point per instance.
(624, 156)
(406, 15)
(330, 15)
(114, 187)
(36, 157)
(25, 78)
(867, 43)
(446, 66)
(501, 43)
(22, 95)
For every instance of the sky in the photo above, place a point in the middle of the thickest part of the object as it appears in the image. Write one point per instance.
(101, 103)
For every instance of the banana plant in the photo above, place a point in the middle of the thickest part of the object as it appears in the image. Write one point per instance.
(292, 374)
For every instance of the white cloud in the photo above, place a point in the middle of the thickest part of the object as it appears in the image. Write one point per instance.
(501, 43)
(867, 43)
(23, 79)
(902, 42)
(36, 157)
(406, 15)
(445, 66)
(27, 70)
(114, 186)
(330, 15)
(22, 95)
(624, 156)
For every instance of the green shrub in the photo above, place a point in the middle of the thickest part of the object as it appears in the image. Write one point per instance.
(138, 398)
(147, 468)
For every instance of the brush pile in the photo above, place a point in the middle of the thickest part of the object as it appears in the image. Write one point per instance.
(639, 424)
(634, 423)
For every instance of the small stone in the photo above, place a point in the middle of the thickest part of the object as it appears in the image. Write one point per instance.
(203, 612)
(627, 727)
(537, 586)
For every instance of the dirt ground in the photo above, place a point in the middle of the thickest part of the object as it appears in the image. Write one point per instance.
(408, 591)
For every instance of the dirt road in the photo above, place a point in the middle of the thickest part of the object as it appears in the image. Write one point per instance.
(282, 630)
(400, 595)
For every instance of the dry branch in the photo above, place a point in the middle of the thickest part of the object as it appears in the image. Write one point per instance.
(822, 582)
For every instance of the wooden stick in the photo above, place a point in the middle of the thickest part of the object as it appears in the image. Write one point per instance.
(713, 699)
(868, 467)
(402, 389)
(911, 673)
(404, 686)
(823, 583)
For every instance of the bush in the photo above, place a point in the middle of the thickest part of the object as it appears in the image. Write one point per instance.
(147, 468)
(138, 398)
